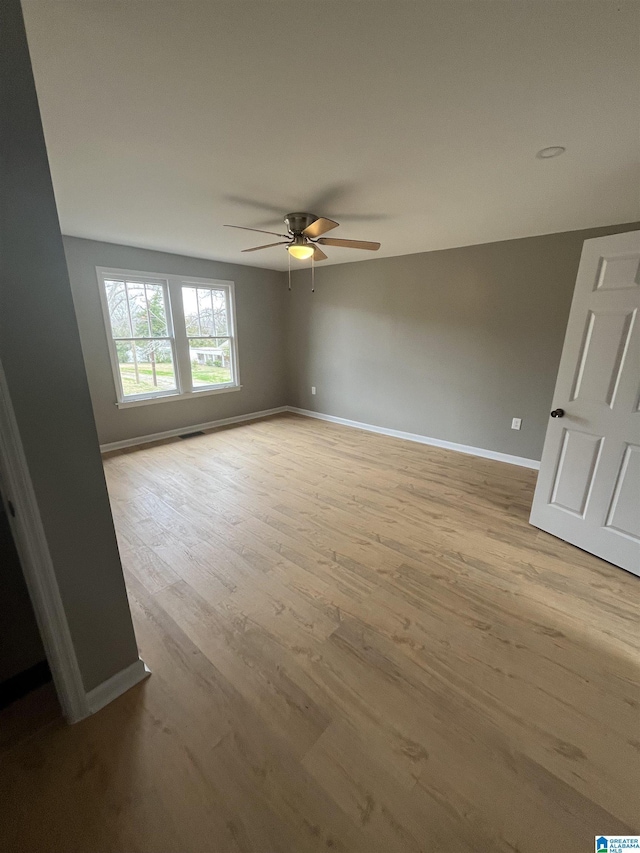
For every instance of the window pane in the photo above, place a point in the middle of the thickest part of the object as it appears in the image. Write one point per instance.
(148, 313)
(157, 311)
(210, 361)
(146, 366)
(190, 305)
(117, 302)
(205, 311)
(219, 303)
(138, 309)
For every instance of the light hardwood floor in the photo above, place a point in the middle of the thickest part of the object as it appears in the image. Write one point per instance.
(358, 644)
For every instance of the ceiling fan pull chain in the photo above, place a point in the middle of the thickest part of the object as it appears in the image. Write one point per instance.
(313, 276)
(289, 256)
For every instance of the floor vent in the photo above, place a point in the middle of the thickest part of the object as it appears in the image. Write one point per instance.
(191, 434)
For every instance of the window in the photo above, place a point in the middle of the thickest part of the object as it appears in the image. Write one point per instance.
(169, 336)
(206, 312)
(142, 336)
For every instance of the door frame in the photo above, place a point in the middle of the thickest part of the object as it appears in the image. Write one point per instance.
(37, 566)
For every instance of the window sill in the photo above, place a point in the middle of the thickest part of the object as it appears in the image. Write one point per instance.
(168, 398)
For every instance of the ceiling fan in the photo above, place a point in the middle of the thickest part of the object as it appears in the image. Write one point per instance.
(305, 237)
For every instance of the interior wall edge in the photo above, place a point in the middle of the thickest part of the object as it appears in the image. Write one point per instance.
(47, 385)
(37, 565)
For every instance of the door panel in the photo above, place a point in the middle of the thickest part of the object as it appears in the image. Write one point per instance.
(618, 272)
(588, 490)
(623, 514)
(604, 352)
(574, 476)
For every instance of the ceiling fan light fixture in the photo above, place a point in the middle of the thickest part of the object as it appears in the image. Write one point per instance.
(301, 251)
(550, 151)
(305, 238)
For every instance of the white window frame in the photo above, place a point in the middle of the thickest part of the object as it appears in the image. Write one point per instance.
(176, 327)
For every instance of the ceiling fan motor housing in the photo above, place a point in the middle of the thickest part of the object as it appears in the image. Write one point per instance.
(297, 222)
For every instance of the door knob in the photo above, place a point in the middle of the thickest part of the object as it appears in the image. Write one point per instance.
(557, 413)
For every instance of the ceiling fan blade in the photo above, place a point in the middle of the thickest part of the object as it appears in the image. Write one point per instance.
(259, 230)
(319, 255)
(268, 246)
(349, 244)
(319, 226)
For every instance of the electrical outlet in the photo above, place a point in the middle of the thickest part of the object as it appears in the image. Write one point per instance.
(516, 423)
(313, 389)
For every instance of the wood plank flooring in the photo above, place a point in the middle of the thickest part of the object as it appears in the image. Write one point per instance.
(357, 644)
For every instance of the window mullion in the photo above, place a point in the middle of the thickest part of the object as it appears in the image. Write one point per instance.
(198, 307)
(181, 342)
(142, 338)
(126, 296)
(134, 350)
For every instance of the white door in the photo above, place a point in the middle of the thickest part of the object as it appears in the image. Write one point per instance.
(588, 490)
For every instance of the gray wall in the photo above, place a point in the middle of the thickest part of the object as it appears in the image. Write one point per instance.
(450, 344)
(261, 301)
(47, 382)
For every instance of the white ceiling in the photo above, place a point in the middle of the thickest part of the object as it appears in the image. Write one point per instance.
(412, 123)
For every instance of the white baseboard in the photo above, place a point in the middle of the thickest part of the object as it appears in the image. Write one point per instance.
(395, 433)
(172, 433)
(423, 439)
(117, 685)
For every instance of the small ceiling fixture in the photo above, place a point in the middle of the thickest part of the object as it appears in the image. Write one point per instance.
(301, 250)
(551, 151)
